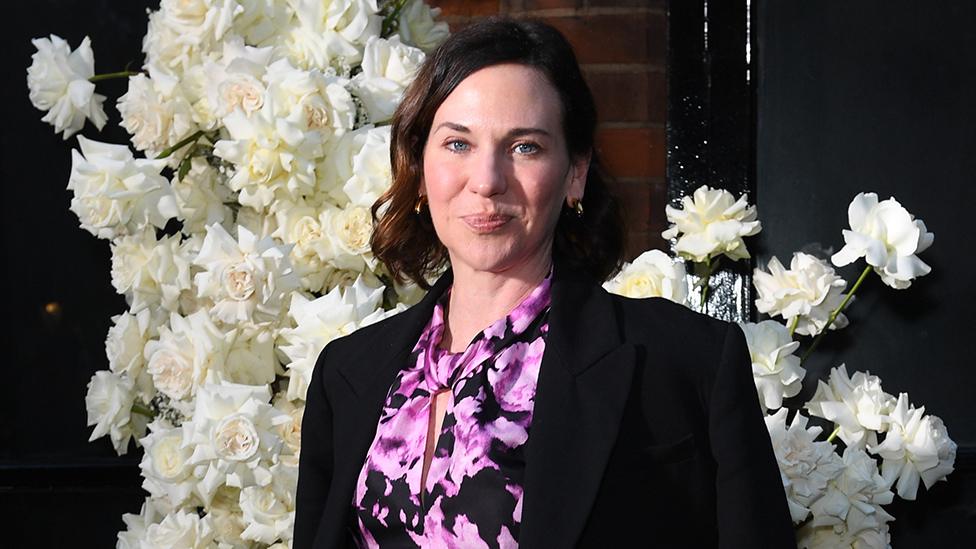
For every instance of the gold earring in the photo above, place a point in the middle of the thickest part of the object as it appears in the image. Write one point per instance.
(420, 204)
(577, 206)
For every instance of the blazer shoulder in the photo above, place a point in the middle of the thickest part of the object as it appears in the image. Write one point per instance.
(673, 331)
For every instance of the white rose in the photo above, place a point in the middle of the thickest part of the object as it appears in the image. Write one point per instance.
(165, 467)
(155, 112)
(291, 432)
(388, 68)
(109, 405)
(58, 83)
(887, 237)
(184, 529)
(316, 100)
(652, 274)
(915, 447)
(202, 197)
(326, 34)
(775, 369)
(808, 291)
(233, 433)
(251, 359)
(857, 405)
(150, 272)
(273, 157)
(225, 513)
(184, 33)
(805, 464)
(248, 279)
(711, 223)
(115, 194)
(125, 341)
(185, 352)
(267, 514)
(349, 231)
(418, 28)
(136, 525)
(318, 322)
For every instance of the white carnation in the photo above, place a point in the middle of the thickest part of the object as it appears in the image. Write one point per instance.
(418, 28)
(775, 369)
(248, 279)
(808, 291)
(115, 194)
(58, 83)
(388, 68)
(805, 464)
(850, 514)
(711, 223)
(652, 274)
(338, 313)
(916, 446)
(857, 405)
(887, 237)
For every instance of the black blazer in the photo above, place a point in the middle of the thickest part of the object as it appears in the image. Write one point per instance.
(646, 432)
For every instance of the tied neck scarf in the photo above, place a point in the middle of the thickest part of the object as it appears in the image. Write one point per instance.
(473, 491)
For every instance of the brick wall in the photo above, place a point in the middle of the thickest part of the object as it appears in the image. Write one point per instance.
(621, 46)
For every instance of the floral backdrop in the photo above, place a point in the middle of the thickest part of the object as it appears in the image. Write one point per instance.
(239, 222)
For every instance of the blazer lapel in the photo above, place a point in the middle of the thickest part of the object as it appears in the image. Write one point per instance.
(369, 371)
(584, 381)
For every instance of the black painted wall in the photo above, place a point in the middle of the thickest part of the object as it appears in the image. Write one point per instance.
(881, 96)
(56, 488)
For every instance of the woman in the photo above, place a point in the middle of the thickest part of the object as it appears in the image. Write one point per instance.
(519, 403)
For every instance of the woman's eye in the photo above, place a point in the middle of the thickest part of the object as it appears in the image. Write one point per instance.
(457, 146)
(526, 148)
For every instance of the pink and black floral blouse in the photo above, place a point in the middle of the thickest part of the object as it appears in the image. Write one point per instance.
(473, 492)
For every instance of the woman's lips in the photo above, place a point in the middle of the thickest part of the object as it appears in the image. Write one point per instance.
(486, 223)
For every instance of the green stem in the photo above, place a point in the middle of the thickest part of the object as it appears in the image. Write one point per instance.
(835, 313)
(113, 75)
(703, 281)
(796, 320)
(834, 434)
(191, 139)
(142, 410)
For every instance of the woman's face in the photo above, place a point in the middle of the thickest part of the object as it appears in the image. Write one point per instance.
(496, 171)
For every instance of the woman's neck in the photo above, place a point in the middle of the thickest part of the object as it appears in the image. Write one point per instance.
(479, 298)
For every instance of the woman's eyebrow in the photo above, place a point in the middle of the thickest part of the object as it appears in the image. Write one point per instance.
(514, 132)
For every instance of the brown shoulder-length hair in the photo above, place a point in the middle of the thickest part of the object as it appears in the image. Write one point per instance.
(405, 240)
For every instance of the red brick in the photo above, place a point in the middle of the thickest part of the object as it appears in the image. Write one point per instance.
(466, 8)
(632, 152)
(635, 95)
(615, 38)
(658, 4)
(511, 6)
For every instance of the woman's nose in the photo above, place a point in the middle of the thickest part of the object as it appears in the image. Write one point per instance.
(487, 176)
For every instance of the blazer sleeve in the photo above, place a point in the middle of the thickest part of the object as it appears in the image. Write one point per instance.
(316, 461)
(750, 500)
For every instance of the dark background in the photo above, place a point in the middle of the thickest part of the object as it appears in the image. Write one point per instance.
(871, 96)
(881, 96)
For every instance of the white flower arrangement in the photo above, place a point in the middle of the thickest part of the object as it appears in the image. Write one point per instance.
(889, 445)
(268, 120)
(240, 238)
